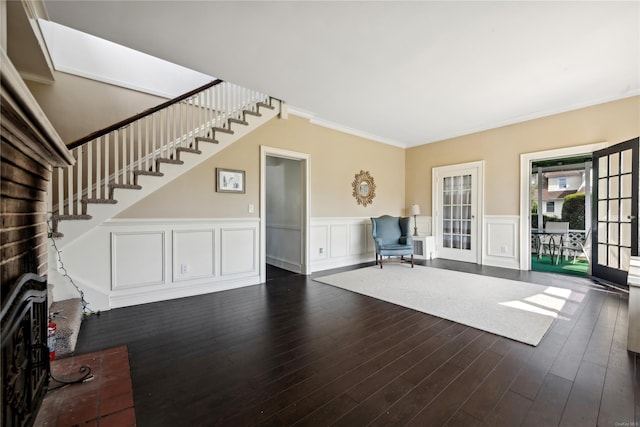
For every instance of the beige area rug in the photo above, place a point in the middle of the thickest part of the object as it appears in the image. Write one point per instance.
(517, 310)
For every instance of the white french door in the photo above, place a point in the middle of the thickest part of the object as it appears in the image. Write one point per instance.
(458, 211)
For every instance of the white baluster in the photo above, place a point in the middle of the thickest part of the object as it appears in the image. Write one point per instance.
(60, 209)
(145, 164)
(99, 189)
(116, 157)
(155, 126)
(105, 170)
(90, 169)
(140, 153)
(77, 209)
(130, 161)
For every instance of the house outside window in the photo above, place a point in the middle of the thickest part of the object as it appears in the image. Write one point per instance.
(562, 182)
(551, 207)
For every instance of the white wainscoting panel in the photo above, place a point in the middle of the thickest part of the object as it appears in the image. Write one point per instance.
(319, 242)
(501, 241)
(138, 259)
(348, 239)
(193, 254)
(359, 238)
(235, 256)
(339, 240)
(125, 262)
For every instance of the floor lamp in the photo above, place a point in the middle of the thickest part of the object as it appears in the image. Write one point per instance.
(415, 210)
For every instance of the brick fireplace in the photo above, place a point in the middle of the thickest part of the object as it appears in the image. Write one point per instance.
(29, 149)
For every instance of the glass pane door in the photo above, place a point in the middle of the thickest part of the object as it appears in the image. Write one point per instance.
(456, 212)
(458, 192)
(615, 236)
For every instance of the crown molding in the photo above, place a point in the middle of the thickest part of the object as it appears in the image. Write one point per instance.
(313, 119)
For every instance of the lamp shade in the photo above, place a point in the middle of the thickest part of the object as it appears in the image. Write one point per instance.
(415, 209)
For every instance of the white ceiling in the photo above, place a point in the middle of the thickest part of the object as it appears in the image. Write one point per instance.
(405, 73)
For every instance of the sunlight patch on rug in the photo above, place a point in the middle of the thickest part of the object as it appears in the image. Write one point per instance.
(517, 310)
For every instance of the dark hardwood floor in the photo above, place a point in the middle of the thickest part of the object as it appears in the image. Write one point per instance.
(295, 351)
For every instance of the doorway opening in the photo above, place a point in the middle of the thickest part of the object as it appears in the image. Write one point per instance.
(560, 211)
(528, 244)
(284, 213)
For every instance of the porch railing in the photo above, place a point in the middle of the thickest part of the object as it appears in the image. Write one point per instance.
(111, 156)
(574, 238)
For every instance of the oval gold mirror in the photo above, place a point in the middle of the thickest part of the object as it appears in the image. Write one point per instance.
(364, 189)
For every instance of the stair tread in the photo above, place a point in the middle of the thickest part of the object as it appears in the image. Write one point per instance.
(223, 130)
(265, 105)
(169, 161)
(148, 173)
(126, 186)
(188, 150)
(56, 235)
(253, 113)
(100, 201)
(206, 139)
(239, 121)
(70, 217)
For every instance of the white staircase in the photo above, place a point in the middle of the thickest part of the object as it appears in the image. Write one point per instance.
(126, 162)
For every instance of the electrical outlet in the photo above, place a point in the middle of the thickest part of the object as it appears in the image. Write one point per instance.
(321, 250)
(503, 249)
(250, 208)
(184, 268)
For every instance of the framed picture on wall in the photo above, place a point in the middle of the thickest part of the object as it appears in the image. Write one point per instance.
(229, 181)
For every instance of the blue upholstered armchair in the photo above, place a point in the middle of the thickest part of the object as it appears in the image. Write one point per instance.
(392, 237)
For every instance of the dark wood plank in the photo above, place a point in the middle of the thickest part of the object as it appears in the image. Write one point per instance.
(447, 403)
(482, 401)
(298, 351)
(583, 403)
(548, 406)
(299, 408)
(510, 411)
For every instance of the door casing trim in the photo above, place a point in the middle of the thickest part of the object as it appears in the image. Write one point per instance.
(265, 152)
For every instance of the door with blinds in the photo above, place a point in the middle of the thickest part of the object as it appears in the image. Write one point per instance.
(457, 211)
(615, 212)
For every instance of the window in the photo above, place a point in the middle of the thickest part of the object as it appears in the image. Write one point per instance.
(551, 207)
(562, 182)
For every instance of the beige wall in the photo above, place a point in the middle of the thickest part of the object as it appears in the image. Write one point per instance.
(77, 106)
(335, 158)
(501, 148)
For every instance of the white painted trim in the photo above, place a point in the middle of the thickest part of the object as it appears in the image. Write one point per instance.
(283, 263)
(346, 256)
(117, 222)
(510, 242)
(525, 172)
(176, 274)
(114, 256)
(266, 151)
(36, 78)
(314, 120)
(228, 231)
(89, 261)
(149, 294)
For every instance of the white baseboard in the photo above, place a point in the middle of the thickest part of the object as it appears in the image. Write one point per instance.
(284, 264)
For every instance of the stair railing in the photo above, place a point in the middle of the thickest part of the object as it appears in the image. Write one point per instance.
(110, 156)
